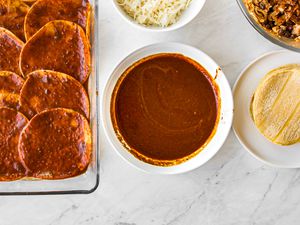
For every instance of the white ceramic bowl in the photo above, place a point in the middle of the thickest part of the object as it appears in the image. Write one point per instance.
(226, 110)
(187, 16)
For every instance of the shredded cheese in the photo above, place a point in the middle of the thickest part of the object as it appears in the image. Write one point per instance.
(160, 13)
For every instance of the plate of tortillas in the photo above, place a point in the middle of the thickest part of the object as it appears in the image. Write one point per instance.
(267, 109)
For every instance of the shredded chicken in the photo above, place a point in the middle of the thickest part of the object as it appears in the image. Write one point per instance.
(279, 16)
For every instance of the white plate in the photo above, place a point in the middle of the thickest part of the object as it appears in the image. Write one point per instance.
(245, 130)
(226, 111)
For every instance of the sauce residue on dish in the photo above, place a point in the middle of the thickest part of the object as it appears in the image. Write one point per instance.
(165, 109)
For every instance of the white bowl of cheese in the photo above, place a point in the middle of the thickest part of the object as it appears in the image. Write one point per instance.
(158, 15)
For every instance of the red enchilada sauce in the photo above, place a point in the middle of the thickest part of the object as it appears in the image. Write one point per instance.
(165, 109)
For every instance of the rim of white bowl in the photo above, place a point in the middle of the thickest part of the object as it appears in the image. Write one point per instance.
(226, 111)
(173, 27)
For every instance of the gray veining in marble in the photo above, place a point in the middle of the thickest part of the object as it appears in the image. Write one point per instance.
(231, 189)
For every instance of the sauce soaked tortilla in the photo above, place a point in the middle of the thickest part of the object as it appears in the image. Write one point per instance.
(12, 16)
(45, 89)
(56, 144)
(165, 109)
(10, 87)
(11, 125)
(77, 11)
(10, 49)
(60, 46)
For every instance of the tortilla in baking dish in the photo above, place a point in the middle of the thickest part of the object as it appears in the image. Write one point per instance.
(61, 46)
(44, 11)
(10, 49)
(56, 144)
(11, 125)
(12, 16)
(10, 87)
(275, 106)
(45, 89)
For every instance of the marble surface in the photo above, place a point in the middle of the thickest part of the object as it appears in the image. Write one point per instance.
(232, 188)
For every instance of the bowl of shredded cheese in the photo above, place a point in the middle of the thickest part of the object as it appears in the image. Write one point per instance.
(159, 15)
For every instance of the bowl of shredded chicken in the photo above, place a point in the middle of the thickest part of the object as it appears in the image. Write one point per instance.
(159, 15)
(276, 20)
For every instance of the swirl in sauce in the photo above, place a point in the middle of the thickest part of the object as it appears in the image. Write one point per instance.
(165, 109)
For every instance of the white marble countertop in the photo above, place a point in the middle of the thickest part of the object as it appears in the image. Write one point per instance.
(232, 188)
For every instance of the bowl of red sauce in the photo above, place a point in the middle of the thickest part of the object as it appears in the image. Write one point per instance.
(167, 108)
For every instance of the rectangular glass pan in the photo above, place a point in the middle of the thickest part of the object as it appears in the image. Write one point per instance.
(89, 181)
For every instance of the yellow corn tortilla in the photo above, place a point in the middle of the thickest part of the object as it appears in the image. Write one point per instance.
(275, 106)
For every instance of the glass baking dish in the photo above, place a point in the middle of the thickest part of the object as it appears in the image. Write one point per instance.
(89, 181)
